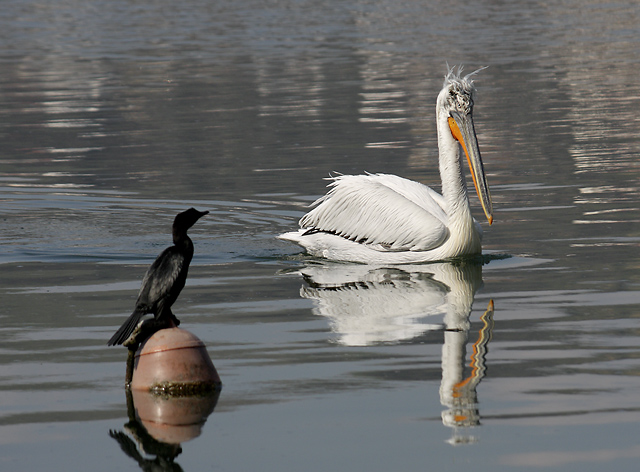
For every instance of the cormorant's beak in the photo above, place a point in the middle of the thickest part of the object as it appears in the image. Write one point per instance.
(462, 129)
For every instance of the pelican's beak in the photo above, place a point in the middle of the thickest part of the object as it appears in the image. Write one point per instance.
(462, 129)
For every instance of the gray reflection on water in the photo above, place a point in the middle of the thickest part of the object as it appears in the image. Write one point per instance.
(369, 305)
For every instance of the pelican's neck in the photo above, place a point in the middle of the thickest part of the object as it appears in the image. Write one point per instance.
(454, 186)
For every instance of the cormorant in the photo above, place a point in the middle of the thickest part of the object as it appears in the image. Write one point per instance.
(161, 286)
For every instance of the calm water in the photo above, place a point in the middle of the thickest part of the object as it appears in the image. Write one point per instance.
(116, 115)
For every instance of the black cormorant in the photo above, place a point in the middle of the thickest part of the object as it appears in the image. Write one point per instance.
(161, 286)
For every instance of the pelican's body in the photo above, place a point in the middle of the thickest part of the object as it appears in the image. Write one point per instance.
(381, 218)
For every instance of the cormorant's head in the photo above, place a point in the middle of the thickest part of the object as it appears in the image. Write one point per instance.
(187, 219)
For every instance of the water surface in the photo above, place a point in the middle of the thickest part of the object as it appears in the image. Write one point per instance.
(115, 116)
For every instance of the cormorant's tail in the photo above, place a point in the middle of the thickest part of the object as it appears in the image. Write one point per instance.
(127, 328)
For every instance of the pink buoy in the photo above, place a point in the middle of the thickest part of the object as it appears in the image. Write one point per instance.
(174, 361)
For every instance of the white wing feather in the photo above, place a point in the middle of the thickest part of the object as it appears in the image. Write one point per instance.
(381, 210)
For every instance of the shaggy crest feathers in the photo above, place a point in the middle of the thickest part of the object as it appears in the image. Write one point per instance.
(461, 89)
(453, 76)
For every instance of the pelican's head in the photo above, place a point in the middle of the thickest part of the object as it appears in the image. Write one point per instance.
(455, 102)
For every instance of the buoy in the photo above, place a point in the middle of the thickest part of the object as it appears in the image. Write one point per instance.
(174, 361)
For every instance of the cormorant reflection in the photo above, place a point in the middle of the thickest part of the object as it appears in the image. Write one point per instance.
(159, 424)
(367, 305)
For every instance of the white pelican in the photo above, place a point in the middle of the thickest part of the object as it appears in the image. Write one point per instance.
(381, 218)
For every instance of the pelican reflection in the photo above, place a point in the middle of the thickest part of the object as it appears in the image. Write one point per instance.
(366, 305)
(457, 392)
(369, 305)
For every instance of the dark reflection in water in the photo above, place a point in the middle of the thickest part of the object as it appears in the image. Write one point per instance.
(158, 425)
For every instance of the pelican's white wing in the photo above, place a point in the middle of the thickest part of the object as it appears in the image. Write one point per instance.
(381, 210)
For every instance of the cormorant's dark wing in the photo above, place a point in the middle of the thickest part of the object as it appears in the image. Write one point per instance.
(163, 279)
(163, 282)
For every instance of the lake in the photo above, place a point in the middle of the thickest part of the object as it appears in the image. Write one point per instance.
(115, 116)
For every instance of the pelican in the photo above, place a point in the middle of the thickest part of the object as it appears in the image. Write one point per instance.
(386, 219)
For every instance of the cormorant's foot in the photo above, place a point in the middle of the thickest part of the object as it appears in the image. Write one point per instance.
(171, 321)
